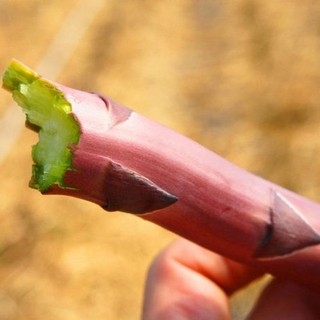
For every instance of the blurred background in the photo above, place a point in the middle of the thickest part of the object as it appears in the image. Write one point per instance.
(241, 77)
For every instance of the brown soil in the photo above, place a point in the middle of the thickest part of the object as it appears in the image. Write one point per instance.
(241, 77)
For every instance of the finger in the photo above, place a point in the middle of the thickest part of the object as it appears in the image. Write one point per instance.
(189, 282)
(286, 300)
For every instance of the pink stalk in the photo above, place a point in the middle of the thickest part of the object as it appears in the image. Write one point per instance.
(124, 161)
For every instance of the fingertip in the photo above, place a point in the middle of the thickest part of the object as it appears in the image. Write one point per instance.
(176, 291)
(286, 300)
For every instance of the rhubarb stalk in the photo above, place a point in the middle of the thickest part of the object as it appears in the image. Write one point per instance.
(95, 149)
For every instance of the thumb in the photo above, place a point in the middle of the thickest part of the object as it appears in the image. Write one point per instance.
(286, 300)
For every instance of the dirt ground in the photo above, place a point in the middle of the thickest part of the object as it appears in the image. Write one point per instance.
(241, 77)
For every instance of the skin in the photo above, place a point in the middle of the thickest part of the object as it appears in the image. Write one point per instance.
(187, 281)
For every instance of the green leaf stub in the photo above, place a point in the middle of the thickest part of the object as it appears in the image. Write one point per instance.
(46, 109)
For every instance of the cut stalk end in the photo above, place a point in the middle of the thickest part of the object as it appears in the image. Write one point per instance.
(48, 111)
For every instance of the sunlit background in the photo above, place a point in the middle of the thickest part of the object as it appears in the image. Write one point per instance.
(239, 76)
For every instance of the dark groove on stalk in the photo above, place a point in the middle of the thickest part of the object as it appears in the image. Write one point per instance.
(117, 113)
(128, 191)
(287, 232)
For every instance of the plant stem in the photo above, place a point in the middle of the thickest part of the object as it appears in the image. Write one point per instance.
(124, 161)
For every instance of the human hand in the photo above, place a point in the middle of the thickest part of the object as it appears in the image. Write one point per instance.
(189, 282)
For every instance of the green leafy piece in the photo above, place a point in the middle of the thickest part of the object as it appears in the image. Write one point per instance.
(48, 111)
